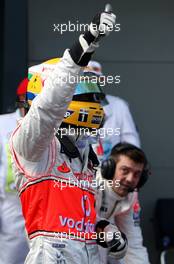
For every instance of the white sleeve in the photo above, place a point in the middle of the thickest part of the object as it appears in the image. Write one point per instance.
(47, 111)
(136, 253)
(128, 132)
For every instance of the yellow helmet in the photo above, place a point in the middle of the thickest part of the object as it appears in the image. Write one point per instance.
(84, 110)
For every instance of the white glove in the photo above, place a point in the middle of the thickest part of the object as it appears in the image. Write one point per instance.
(82, 50)
(117, 243)
(102, 24)
(110, 237)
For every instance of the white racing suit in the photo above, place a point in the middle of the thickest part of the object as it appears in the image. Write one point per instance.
(13, 242)
(124, 212)
(58, 208)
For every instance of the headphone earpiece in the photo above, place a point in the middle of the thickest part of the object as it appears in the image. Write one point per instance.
(108, 169)
(144, 178)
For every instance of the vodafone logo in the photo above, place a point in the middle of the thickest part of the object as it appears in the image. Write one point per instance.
(86, 207)
(82, 224)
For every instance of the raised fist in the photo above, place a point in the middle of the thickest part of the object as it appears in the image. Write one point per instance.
(102, 24)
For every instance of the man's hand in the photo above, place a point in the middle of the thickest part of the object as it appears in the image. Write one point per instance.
(101, 25)
(110, 237)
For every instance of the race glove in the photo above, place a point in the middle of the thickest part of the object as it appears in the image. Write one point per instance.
(108, 236)
(101, 25)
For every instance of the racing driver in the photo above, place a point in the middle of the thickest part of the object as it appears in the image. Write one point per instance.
(59, 212)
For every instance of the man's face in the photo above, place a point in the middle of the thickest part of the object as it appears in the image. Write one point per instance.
(128, 174)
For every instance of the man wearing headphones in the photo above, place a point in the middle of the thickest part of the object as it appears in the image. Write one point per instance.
(122, 175)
